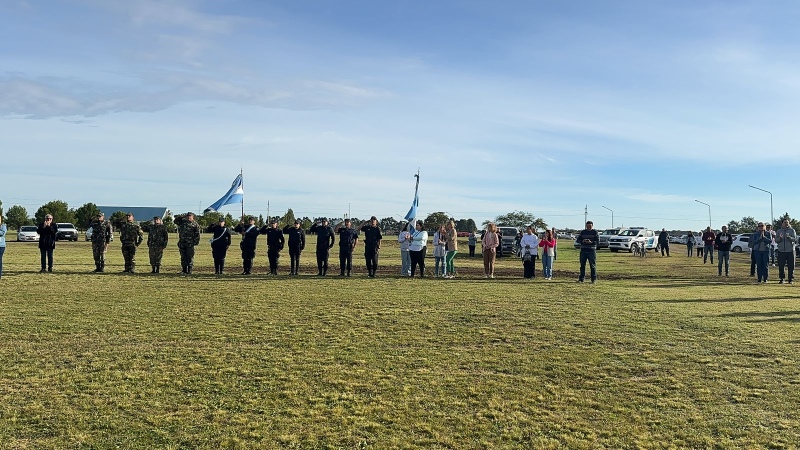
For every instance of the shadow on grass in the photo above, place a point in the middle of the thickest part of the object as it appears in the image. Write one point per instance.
(766, 316)
(722, 300)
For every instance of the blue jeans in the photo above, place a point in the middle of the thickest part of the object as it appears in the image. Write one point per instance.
(439, 260)
(405, 256)
(547, 265)
(708, 250)
(723, 255)
(588, 254)
(2, 250)
(762, 264)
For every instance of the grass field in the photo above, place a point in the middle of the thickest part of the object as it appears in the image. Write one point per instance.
(661, 353)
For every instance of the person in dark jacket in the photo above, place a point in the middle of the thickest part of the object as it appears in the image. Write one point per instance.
(723, 242)
(325, 241)
(663, 241)
(220, 241)
(372, 244)
(249, 234)
(588, 239)
(297, 243)
(348, 238)
(47, 242)
(275, 243)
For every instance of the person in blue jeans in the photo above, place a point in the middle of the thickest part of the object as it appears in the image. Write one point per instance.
(3, 230)
(723, 242)
(760, 243)
(588, 239)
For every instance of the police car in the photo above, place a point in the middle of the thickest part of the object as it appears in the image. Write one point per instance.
(626, 239)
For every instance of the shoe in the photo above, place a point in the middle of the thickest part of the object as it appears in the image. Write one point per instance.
(579, 281)
(791, 282)
(594, 281)
(491, 276)
(43, 270)
(485, 276)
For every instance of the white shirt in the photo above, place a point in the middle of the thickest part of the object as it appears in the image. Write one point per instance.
(404, 238)
(530, 240)
(419, 239)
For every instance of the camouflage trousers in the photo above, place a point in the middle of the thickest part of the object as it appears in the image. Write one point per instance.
(129, 254)
(156, 253)
(187, 256)
(99, 253)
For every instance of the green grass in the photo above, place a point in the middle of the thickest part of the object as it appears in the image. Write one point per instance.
(661, 353)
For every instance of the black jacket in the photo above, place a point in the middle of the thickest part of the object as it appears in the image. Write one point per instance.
(325, 235)
(297, 237)
(250, 236)
(47, 236)
(275, 239)
(222, 237)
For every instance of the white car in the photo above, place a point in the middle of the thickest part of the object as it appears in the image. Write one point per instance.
(27, 233)
(739, 243)
(89, 235)
(626, 238)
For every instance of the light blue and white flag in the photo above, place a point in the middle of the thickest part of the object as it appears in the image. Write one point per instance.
(234, 195)
(412, 213)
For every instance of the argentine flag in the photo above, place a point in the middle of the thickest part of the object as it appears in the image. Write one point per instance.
(234, 195)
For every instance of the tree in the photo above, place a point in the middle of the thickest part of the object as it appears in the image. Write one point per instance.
(435, 219)
(748, 225)
(389, 225)
(733, 226)
(117, 219)
(519, 219)
(17, 216)
(466, 225)
(169, 222)
(287, 219)
(85, 214)
(792, 222)
(58, 209)
(306, 223)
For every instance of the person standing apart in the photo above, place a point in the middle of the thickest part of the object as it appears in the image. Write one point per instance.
(452, 249)
(663, 241)
(529, 251)
(157, 240)
(249, 232)
(404, 239)
(439, 251)
(220, 242)
(348, 238)
(297, 243)
(275, 242)
(47, 242)
(708, 245)
(101, 236)
(325, 241)
(690, 244)
(188, 239)
(548, 245)
(489, 244)
(418, 248)
(723, 241)
(3, 231)
(471, 241)
(372, 244)
(760, 243)
(785, 238)
(130, 235)
(589, 240)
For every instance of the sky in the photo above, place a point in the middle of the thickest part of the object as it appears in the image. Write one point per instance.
(640, 110)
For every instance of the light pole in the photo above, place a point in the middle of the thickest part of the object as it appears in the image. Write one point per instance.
(612, 215)
(709, 211)
(771, 214)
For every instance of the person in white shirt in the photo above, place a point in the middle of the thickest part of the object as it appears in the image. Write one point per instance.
(529, 250)
(417, 248)
(404, 238)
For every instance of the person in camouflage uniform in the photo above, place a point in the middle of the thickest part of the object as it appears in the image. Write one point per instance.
(131, 236)
(157, 240)
(188, 238)
(101, 236)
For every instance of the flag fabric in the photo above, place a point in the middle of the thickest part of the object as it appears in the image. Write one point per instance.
(412, 213)
(234, 195)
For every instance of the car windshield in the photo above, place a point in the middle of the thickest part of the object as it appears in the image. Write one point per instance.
(65, 225)
(629, 233)
(27, 229)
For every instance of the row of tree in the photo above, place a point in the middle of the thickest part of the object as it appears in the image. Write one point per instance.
(749, 224)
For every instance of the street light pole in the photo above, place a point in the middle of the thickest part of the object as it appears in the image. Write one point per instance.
(612, 215)
(771, 214)
(709, 211)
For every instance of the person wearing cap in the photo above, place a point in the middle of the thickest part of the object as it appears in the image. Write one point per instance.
(348, 238)
(157, 240)
(297, 242)
(275, 243)
(220, 241)
(101, 236)
(249, 234)
(130, 234)
(47, 231)
(325, 241)
(372, 244)
(188, 238)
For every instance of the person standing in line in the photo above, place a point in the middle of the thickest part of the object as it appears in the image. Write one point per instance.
(471, 241)
(773, 245)
(275, 242)
(297, 243)
(249, 234)
(325, 241)
(131, 236)
(3, 231)
(489, 245)
(785, 238)
(452, 249)
(101, 236)
(220, 242)
(529, 251)
(699, 244)
(418, 248)
(548, 245)
(404, 239)
(372, 244)
(589, 240)
(188, 239)
(663, 241)
(555, 249)
(690, 244)
(348, 238)
(708, 245)
(157, 240)
(760, 243)
(47, 242)
(723, 242)
(439, 252)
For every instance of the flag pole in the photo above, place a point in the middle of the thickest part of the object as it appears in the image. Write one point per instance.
(241, 174)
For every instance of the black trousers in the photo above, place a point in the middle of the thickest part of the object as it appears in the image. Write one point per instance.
(418, 259)
(785, 259)
(219, 253)
(371, 256)
(664, 246)
(471, 251)
(322, 259)
(752, 263)
(588, 255)
(345, 259)
(294, 256)
(529, 268)
(47, 257)
(273, 256)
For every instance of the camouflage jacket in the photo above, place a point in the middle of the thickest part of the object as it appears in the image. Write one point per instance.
(131, 234)
(101, 231)
(158, 236)
(188, 232)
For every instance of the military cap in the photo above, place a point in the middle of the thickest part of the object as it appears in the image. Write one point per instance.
(297, 222)
(156, 217)
(221, 219)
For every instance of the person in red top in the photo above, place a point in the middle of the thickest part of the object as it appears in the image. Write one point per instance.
(708, 245)
(548, 245)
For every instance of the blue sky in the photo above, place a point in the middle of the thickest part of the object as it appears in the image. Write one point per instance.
(545, 107)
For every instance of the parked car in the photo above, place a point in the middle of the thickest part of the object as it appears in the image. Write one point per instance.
(462, 233)
(739, 243)
(66, 232)
(89, 234)
(508, 235)
(626, 238)
(605, 235)
(27, 233)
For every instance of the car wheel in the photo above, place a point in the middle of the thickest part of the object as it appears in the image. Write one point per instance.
(737, 249)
